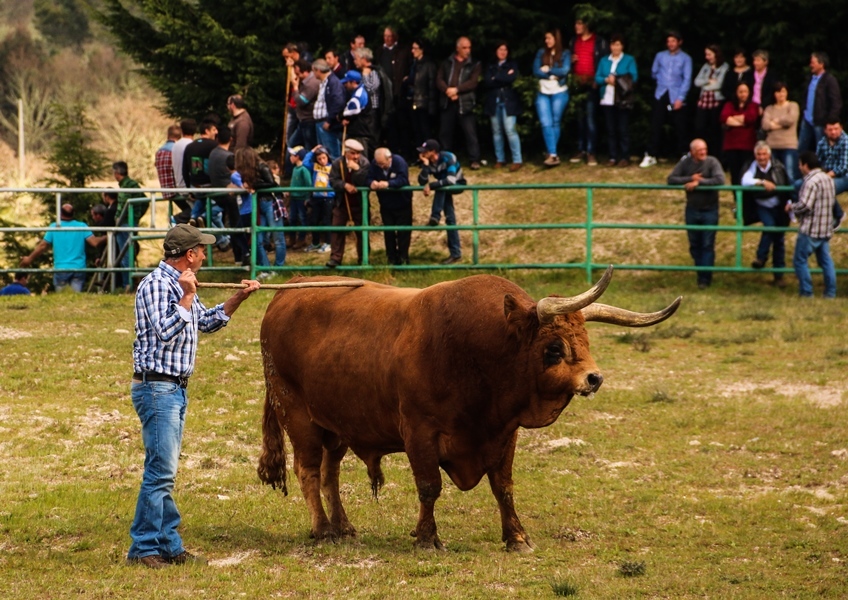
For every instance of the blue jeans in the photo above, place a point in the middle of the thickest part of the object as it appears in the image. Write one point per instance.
(587, 130)
(769, 239)
(266, 219)
(161, 408)
(809, 136)
(331, 140)
(261, 255)
(804, 247)
(215, 220)
(123, 278)
(501, 123)
(701, 242)
(549, 108)
(279, 242)
(297, 218)
(789, 158)
(73, 278)
(443, 202)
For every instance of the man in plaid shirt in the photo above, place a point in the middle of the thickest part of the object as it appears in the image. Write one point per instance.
(814, 209)
(168, 316)
(165, 167)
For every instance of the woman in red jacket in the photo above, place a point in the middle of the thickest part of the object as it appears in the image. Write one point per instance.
(739, 119)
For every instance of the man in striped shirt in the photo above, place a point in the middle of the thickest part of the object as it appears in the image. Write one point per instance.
(168, 316)
(814, 209)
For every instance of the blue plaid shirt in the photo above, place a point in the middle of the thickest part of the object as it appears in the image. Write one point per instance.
(834, 158)
(166, 333)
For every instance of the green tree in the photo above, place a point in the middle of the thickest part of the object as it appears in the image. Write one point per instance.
(63, 23)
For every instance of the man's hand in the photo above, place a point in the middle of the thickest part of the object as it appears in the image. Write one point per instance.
(427, 190)
(252, 286)
(326, 125)
(769, 185)
(678, 104)
(352, 165)
(831, 174)
(26, 261)
(424, 160)
(345, 122)
(188, 281)
(350, 188)
(698, 177)
(379, 185)
(451, 93)
(691, 185)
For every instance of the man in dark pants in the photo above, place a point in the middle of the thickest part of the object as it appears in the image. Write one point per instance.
(348, 172)
(389, 172)
(821, 103)
(672, 70)
(457, 81)
(694, 170)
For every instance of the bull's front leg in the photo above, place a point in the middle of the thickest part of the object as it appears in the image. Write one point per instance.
(428, 480)
(500, 480)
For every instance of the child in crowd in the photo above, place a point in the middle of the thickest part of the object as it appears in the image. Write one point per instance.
(321, 203)
(301, 177)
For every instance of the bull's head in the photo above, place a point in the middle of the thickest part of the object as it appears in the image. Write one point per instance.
(565, 363)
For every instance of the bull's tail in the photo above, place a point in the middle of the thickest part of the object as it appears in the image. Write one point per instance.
(272, 461)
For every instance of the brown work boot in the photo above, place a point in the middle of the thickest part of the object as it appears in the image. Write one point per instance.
(514, 167)
(154, 561)
(186, 558)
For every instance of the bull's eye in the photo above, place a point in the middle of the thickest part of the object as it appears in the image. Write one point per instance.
(555, 353)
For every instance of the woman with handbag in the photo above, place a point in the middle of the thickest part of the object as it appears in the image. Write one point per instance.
(551, 67)
(710, 80)
(616, 75)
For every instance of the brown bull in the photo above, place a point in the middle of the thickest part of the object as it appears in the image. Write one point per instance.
(446, 374)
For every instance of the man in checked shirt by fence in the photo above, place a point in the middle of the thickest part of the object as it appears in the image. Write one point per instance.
(814, 209)
(168, 316)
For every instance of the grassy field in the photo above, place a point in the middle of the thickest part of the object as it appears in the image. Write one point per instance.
(711, 464)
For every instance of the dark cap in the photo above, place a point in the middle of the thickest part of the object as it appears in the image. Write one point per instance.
(351, 75)
(429, 145)
(184, 237)
(298, 151)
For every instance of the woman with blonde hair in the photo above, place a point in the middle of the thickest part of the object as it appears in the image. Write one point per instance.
(551, 67)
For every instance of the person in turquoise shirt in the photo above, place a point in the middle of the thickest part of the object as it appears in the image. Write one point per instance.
(68, 250)
(616, 107)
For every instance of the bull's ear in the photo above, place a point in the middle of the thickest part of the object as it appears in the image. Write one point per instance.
(510, 305)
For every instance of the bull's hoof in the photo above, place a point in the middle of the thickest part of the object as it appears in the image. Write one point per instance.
(432, 544)
(519, 546)
(325, 534)
(347, 531)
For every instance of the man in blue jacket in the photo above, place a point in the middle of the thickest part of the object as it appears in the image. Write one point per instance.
(387, 173)
(328, 107)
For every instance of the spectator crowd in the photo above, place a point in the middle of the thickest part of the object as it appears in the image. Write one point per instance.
(358, 117)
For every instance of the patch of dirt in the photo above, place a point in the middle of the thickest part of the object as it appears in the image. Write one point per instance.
(565, 443)
(232, 560)
(7, 333)
(820, 396)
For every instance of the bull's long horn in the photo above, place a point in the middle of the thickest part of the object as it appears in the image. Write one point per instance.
(548, 308)
(619, 316)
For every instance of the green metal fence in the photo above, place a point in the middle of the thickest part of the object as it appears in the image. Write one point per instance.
(476, 227)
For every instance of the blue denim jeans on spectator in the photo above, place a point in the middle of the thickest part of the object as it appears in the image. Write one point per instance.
(702, 242)
(266, 219)
(804, 247)
(216, 219)
(161, 408)
(331, 140)
(769, 239)
(75, 279)
(809, 136)
(549, 108)
(443, 202)
(279, 242)
(503, 123)
(122, 279)
(789, 158)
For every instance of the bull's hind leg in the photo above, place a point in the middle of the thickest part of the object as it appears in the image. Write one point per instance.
(500, 480)
(330, 467)
(425, 467)
(306, 439)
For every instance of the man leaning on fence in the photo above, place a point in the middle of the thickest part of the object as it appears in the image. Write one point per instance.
(694, 170)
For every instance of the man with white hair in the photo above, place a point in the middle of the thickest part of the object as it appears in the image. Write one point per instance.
(767, 172)
(348, 172)
(695, 170)
(389, 172)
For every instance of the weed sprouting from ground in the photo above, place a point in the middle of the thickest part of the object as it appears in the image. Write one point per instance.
(662, 396)
(564, 588)
(756, 315)
(629, 568)
(675, 331)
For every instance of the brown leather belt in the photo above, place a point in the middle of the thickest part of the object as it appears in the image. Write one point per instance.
(152, 376)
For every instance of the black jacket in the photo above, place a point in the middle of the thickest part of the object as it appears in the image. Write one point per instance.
(422, 91)
(469, 77)
(828, 102)
(498, 80)
(732, 79)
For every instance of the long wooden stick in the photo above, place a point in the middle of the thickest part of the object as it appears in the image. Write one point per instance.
(286, 111)
(285, 286)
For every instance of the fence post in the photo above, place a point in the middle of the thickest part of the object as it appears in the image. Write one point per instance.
(475, 234)
(366, 222)
(740, 220)
(254, 207)
(58, 209)
(589, 210)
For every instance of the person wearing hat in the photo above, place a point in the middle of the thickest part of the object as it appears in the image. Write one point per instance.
(358, 114)
(168, 316)
(68, 250)
(348, 172)
(320, 212)
(301, 177)
(444, 167)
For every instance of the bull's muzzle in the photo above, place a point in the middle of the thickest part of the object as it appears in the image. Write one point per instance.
(591, 384)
